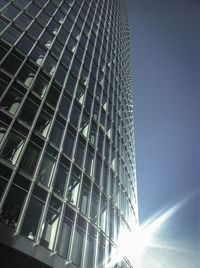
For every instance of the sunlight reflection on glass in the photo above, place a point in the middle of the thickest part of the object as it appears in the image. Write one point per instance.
(143, 248)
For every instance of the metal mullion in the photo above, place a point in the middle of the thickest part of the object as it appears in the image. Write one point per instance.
(6, 5)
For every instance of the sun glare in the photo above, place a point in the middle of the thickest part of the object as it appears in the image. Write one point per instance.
(135, 244)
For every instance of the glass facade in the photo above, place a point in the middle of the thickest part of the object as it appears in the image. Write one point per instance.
(67, 162)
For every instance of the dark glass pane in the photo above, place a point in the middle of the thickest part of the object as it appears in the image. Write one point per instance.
(63, 244)
(12, 148)
(12, 207)
(32, 217)
(60, 180)
(30, 158)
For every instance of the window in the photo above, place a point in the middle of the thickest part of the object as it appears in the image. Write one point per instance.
(38, 54)
(71, 83)
(11, 34)
(51, 223)
(33, 10)
(64, 106)
(30, 158)
(28, 112)
(77, 247)
(90, 248)
(52, 96)
(105, 179)
(85, 195)
(96, 111)
(101, 255)
(73, 186)
(80, 150)
(11, 101)
(94, 205)
(35, 30)
(12, 63)
(89, 163)
(98, 168)
(75, 114)
(32, 218)
(93, 133)
(100, 142)
(10, 12)
(88, 103)
(40, 86)
(23, 21)
(61, 178)
(69, 143)
(80, 93)
(12, 207)
(25, 44)
(66, 59)
(103, 213)
(65, 235)
(12, 147)
(43, 123)
(50, 64)
(56, 134)
(60, 74)
(46, 169)
(3, 129)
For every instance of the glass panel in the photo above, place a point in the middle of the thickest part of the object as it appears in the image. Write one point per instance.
(60, 179)
(89, 163)
(100, 142)
(103, 213)
(28, 112)
(12, 148)
(40, 86)
(79, 155)
(94, 205)
(73, 187)
(101, 257)
(43, 123)
(93, 133)
(85, 125)
(63, 244)
(75, 114)
(50, 229)
(64, 107)
(105, 179)
(85, 195)
(11, 101)
(46, 169)
(12, 207)
(77, 246)
(69, 143)
(98, 168)
(30, 158)
(90, 252)
(31, 220)
(56, 134)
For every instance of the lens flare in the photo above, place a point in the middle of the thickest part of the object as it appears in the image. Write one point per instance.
(143, 248)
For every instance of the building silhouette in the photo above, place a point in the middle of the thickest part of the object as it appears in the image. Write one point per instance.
(67, 164)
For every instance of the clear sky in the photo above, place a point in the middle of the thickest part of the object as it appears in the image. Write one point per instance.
(165, 66)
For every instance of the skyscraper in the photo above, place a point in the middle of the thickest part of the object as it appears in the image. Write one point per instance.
(67, 168)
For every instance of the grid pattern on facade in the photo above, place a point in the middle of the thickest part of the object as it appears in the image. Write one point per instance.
(67, 176)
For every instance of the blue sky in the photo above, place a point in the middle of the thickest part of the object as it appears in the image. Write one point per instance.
(165, 67)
